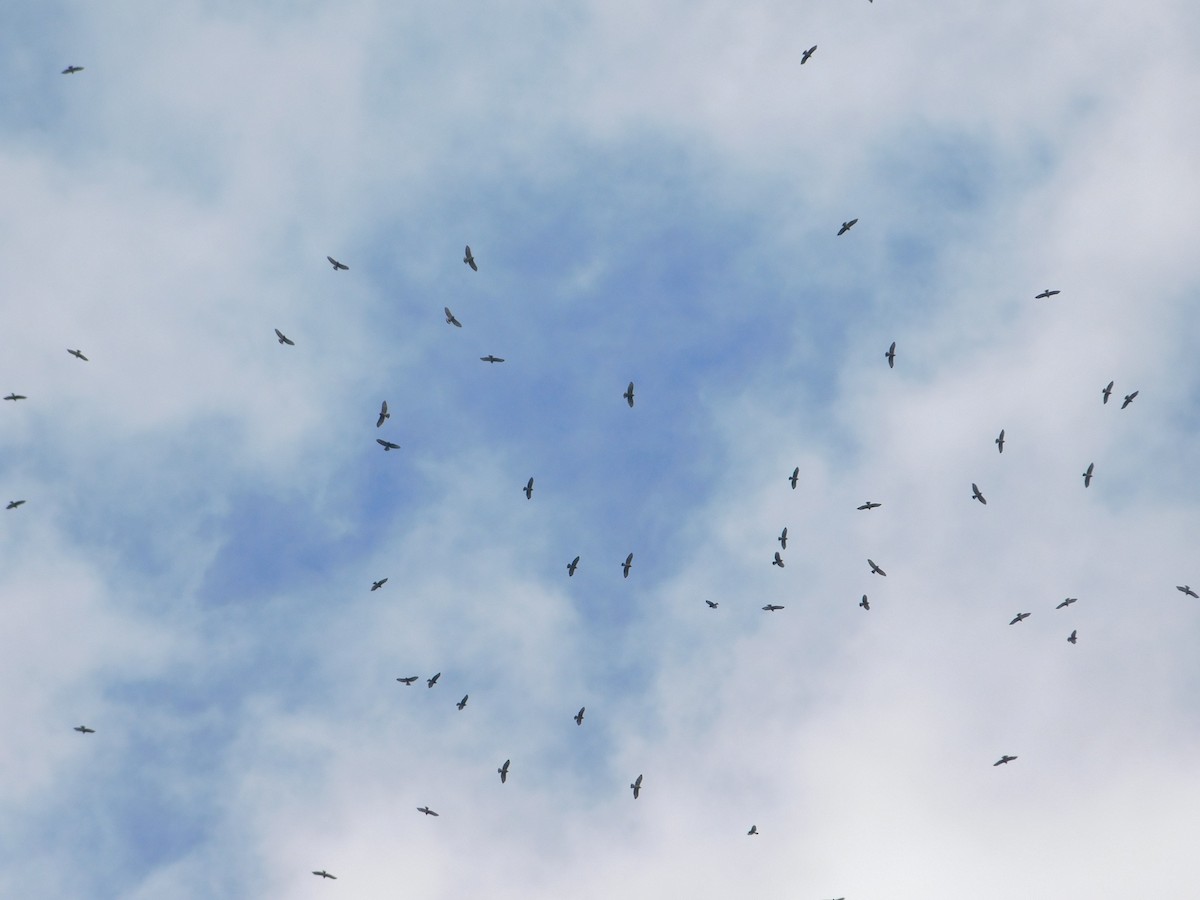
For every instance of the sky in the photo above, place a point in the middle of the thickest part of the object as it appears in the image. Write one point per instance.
(652, 193)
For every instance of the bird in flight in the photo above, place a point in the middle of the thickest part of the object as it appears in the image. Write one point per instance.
(528, 489)
(891, 356)
(450, 320)
(1186, 589)
(325, 874)
(783, 538)
(808, 54)
(870, 505)
(1129, 399)
(283, 339)
(778, 560)
(771, 607)
(77, 354)
(426, 810)
(491, 359)
(386, 445)
(384, 415)
(625, 566)
(83, 729)
(578, 717)
(1071, 639)
(432, 681)
(875, 570)
(503, 770)
(1000, 441)
(1107, 391)
(795, 476)
(16, 397)
(628, 395)
(1046, 293)
(1087, 476)
(753, 830)
(461, 704)
(376, 585)
(864, 603)
(1020, 617)
(13, 504)
(637, 787)
(336, 265)
(71, 70)
(846, 226)
(1003, 760)
(976, 495)
(408, 682)
(712, 604)
(1066, 602)
(469, 259)
(572, 566)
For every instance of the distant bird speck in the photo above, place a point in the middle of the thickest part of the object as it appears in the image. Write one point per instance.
(83, 729)
(426, 810)
(283, 339)
(469, 259)
(71, 70)
(753, 830)
(1087, 476)
(771, 607)
(450, 320)
(491, 359)
(976, 495)
(77, 354)
(1000, 441)
(1019, 617)
(325, 874)
(846, 226)
(1129, 399)
(336, 265)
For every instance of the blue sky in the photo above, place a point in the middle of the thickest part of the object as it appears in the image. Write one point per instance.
(652, 194)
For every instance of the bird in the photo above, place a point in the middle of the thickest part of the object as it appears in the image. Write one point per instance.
(637, 787)
(778, 560)
(77, 354)
(528, 489)
(846, 226)
(1000, 441)
(627, 564)
(383, 415)
(891, 356)
(783, 538)
(753, 830)
(870, 505)
(804, 57)
(336, 265)
(503, 770)
(1020, 617)
(376, 585)
(325, 874)
(71, 70)
(628, 395)
(1186, 589)
(1046, 293)
(1087, 476)
(1107, 391)
(572, 566)
(771, 607)
(1071, 638)
(461, 704)
(13, 504)
(578, 717)
(491, 359)
(432, 681)
(795, 476)
(1129, 399)
(283, 339)
(1003, 760)
(408, 682)
(864, 603)
(450, 320)
(875, 570)
(83, 729)
(386, 445)
(469, 259)
(16, 397)
(1066, 602)
(712, 604)
(976, 495)
(426, 810)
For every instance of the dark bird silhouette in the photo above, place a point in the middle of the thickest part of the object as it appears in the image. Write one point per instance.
(408, 682)
(976, 495)
(1087, 476)
(637, 787)
(783, 538)
(16, 397)
(77, 354)
(1003, 760)
(325, 874)
(283, 339)
(336, 265)
(503, 770)
(1066, 602)
(528, 489)
(1046, 293)
(1071, 639)
(579, 715)
(71, 70)
(875, 570)
(807, 54)
(376, 585)
(753, 830)
(1186, 589)
(870, 505)
(795, 476)
(384, 415)
(864, 603)
(386, 445)
(891, 356)
(846, 226)
(469, 259)
(1000, 441)
(426, 810)
(462, 704)
(491, 359)
(432, 681)
(13, 504)
(572, 566)
(625, 566)
(1020, 617)
(628, 395)
(1107, 392)
(83, 729)
(778, 560)
(771, 607)
(1129, 399)
(450, 320)
(712, 604)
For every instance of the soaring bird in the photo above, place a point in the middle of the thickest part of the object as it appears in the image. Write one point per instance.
(469, 259)
(528, 489)
(795, 475)
(712, 604)
(572, 566)
(426, 810)
(771, 607)
(336, 265)
(578, 717)
(432, 681)
(462, 704)
(1186, 589)
(503, 771)
(870, 505)
(386, 445)
(804, 57)
(628, 395)
(408, 682)
(864, 603)
(753, 830)
(976, 495)
(450, 320)
(16, 397)
(376, 585)
(891, 356)
(1071, 639)
(1046, 293)
(1129, 399)
(625, 566)
(1003, 760)
(325, 874)
(491, 359)
(783, 539)
(637, 787)
(1020, 617)
(13, 504)
(778, 560)
(875, 570)
(1107, 391)
(77, 354)
(283, 339)
(1066, 602)
(1000, 441)
(1087, 476)
(846, 226)
(384, 415)
(71, 70)
(83, 729)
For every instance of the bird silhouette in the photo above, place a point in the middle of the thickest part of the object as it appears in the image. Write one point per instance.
(1071, 639)
(283, 339)
(491, 359)
(875, 570)
(1129, 399)
(408, 681)
(1000, 441)
(1087, 476)
(864, 603)
(807, 55)
(628, 395)
(384, 415)
(528, 489)
(469, 259)
(625, 566)
(503, 771)
(1186, 589)
(771, 607)
(1046, 293)
(83, 729)
(13, 504)
(976, 495)
(778, 560)
(712, 604)
(870, 505)
(753, 830)
(1020, 617)
(16, 397)
(579, 716)
(1107, 392)
(325, 874)
(891, 356)
(461, 704)
(572, 566)
(783, 538)
(846, 226)
(386, 445)
(426, 810)
(637, 787)
(376, 585)
(450, 320)
(336, 265)
(1066, 602)
(77, 354)
(795, 476)
(71, 70)
(1003, 760)
(432, 681)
